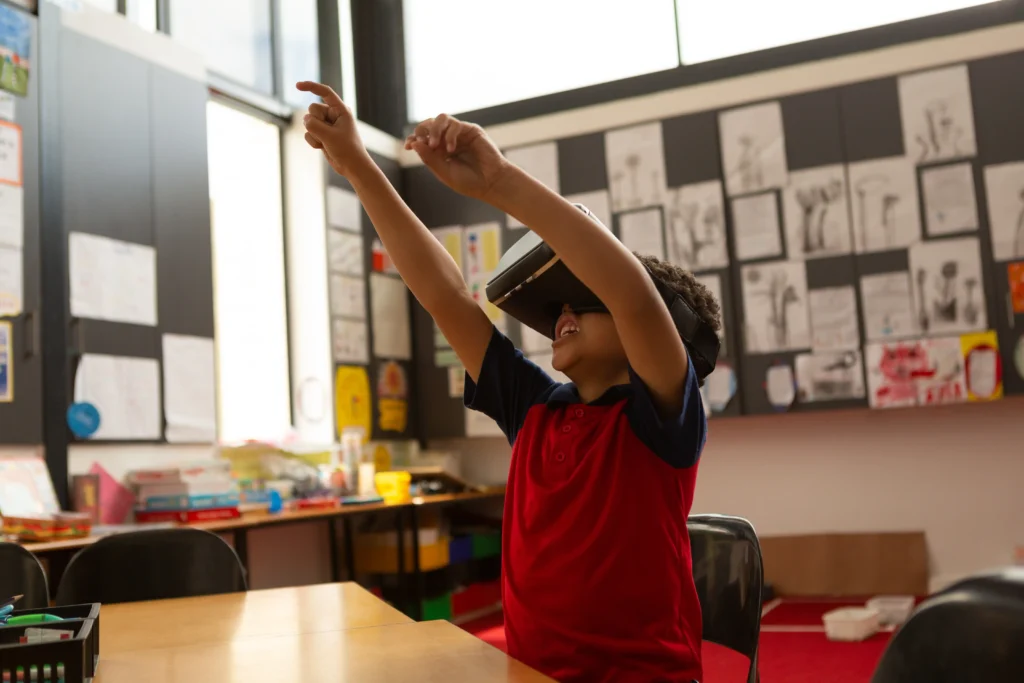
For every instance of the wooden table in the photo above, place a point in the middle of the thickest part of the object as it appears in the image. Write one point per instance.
(323, 634)
(222, 618)
(433, 651)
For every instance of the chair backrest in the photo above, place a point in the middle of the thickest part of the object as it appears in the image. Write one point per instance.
(972, 631)
(728, 571)
(21, 574)
(151, 565)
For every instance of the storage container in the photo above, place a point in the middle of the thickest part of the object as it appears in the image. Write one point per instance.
(851, 623)
(892, 609)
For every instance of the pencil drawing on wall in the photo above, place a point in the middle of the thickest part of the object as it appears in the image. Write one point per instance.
(1004, 186)
(775, 307)
(636, 166)
(937, 114)
(695, 226)
(816, 213)
(713, 282)
(888, 310)
(949, 202)
(885, 206)
(753, 148)
(830, 376)
(949, 293)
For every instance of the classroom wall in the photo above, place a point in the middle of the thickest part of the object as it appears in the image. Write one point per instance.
(953, 472)
(949, 471)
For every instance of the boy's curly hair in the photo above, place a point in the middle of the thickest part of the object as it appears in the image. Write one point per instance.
(683, 283)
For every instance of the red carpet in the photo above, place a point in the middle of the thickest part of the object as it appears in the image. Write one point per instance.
(790, 656)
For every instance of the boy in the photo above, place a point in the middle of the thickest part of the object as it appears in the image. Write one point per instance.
(597, 579)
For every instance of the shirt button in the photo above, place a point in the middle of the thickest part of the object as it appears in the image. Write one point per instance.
(579, 412)
(566, 429)
(560, 457)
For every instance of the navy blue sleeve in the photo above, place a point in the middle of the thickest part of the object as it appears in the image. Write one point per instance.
(679, 440)
(509, 386)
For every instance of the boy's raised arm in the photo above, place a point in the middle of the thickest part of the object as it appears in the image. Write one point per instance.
(465, 159)
(426, 267)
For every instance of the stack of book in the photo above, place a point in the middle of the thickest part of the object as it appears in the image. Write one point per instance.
(199, 492)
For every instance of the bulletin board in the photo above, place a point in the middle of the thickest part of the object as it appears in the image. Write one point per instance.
(866, 242)
(371, 320)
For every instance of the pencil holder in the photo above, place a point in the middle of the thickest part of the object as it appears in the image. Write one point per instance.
(39, 653)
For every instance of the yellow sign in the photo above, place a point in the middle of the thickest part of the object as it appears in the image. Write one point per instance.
(352, 399)
(982, 366)
(392, 394)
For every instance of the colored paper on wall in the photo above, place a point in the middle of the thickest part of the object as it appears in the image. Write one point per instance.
(945, 380)
(10, 151)
(6, 363)
(451, 239)
(983, 366)
(116, 500)
(16, 48)
(392, 397)
(456, 381)
(482, 249)
(352, 400)
(1015, 275)
(892, 371)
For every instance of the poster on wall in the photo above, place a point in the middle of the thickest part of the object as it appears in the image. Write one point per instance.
(15, 50)
(636, 166)
(695, 226)
(983, 366)
(352, 400)
(937, 114)
(753, 149)
(392, 398)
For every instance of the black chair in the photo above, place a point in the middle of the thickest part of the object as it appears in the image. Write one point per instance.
(152, 565)
(728, 571)
(972, 631)
(21, 574)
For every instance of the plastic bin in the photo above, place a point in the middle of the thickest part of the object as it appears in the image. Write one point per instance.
(851, 623)
(72, 661)
(892, 609)
(393, 487)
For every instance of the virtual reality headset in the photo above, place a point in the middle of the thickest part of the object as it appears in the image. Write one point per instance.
(531, 284)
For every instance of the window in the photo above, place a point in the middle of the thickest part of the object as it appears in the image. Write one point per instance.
(254, 398)
(233, 36)
(142, 13)
(299, 49)
(723, 28)
(466, 54)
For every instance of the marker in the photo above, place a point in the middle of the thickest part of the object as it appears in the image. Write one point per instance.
(60, 672)
(24, 619)
(46, 673)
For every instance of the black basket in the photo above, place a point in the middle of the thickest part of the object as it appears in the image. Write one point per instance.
(73, 660)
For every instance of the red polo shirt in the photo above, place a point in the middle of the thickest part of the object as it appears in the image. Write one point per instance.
(597, 578)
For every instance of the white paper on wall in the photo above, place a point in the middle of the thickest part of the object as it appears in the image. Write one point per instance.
(12, 216)
(345, 252)
(753, 148)
(1004, 189)
(948, 286)
(713, 282)
(636, 166)
(12, 281)
(888, 308)
(945, 380)
(190, 395)
(937, 114)
(389, 306)
(125, 391)
(598, 202)
(834, 319)
(541, 162)
(830, 376)
(817, 213)
(949, 202)
(350, 342)
(344, 210)
(112, 280)
(775, 307)
(479, 425)
(885, 204)
(695, 226)
(641, 232)
(755, 222)
(780, 386)
(10, 153)
(348, 297)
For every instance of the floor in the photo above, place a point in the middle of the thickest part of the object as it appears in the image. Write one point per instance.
(793, 647)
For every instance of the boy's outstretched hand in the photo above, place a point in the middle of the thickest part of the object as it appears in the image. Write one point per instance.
(330, 127)
(460, 154)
